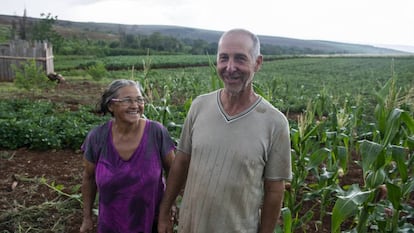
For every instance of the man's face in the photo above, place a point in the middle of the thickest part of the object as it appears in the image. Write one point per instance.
(235, 64)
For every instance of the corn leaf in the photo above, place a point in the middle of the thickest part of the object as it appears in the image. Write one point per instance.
(408, 120)
(399, 156)
(287, 220)
(318, 157)
(408, 187)
(394, 195)
(392, 126)
(347, 205)
(370, 151)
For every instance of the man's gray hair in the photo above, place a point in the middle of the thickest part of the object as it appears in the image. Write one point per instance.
(255, 51)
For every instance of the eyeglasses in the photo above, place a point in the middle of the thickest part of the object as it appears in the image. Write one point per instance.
(129, 101)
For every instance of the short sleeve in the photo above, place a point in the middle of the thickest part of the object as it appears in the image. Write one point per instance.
(163, 138)
(278, 166)
(185, 143)
(95, 142)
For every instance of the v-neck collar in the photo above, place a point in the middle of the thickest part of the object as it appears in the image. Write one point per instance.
(229, 118)
(137, 150)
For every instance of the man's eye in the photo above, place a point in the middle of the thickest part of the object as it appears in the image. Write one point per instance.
(223, 58)
(241, 58)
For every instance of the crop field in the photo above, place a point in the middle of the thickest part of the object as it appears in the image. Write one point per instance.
(351, 121)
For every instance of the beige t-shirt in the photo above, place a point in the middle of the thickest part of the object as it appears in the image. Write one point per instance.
(230, 157)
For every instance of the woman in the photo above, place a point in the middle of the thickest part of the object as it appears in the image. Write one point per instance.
(124, 160)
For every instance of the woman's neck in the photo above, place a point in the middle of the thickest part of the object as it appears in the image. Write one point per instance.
(124, 128)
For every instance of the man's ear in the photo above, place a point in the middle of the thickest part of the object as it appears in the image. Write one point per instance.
(259, 62)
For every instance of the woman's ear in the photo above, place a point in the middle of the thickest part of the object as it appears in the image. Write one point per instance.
(110, 107)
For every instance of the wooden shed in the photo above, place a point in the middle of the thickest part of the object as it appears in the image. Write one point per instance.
(19, 51)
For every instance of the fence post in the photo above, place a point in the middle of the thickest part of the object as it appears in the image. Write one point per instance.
(19, 51)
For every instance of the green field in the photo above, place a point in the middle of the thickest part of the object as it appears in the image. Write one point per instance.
(346, 114)
(289, 83)
(351, 123)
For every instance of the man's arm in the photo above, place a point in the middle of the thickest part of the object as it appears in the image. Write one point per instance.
(175, 182)
(272, 204)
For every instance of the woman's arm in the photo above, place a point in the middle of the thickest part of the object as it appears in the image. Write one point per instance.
(175, 182)
(168, 161)
(89, 190)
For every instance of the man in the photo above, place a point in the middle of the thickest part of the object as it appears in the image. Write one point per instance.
(234, 152)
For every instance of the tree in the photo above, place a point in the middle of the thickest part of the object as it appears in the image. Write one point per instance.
(23, 26)
(43, 31)
(13, 30)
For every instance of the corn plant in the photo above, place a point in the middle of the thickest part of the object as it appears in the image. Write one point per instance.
(387, 162)
(305, 147)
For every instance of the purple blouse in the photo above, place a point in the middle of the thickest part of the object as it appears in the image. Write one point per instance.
(129, 191)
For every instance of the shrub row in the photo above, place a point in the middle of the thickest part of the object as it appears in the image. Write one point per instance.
(44, 125)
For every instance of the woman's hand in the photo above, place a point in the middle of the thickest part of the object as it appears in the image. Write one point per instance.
(174, 214)
(87, 225)
(165, 223)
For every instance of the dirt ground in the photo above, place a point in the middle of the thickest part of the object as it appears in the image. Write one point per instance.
(35, 185)
(21, 189)
(40, 190)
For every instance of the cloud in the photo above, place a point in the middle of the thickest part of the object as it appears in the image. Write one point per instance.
(368, 21)
(83, 2)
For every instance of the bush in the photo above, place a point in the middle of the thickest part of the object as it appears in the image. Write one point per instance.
(44, 125)
(31, 77)
(97, 71)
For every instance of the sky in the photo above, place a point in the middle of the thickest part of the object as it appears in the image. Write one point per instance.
(383, 23)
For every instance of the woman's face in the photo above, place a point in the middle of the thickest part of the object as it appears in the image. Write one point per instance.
(128, 106)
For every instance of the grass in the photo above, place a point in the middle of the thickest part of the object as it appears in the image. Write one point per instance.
(51, 214)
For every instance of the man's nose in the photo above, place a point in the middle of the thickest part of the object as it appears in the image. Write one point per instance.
(231, 65)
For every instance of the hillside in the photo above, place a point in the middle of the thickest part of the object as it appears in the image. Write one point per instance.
(109, 31)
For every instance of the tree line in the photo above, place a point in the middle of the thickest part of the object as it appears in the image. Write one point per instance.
(125, 43)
